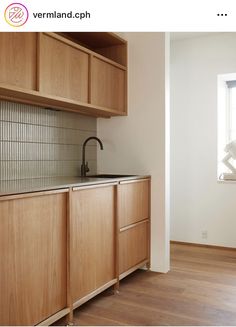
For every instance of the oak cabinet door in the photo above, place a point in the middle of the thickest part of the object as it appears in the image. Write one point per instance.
(133, 246)
(18, 59)
(108, 85)
(33, 258)
(92, 237)
(133, 202)
(64, 69)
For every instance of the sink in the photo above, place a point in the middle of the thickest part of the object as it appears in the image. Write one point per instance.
(110, 176)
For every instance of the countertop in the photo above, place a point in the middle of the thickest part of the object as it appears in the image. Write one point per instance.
(53, 183)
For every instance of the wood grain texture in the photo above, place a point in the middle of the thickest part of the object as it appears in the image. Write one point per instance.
(18, 59)
(17, 94)
(33, 258)
(55, 317)
(93, 240)
(118, 53)
(83, 48)
(69, 257)
(95, 40)
(113, 49)
(199, 290)
(64, 70)
(108, 85)
(133, 246)
(48, 70)
(204, 245)
(133, 202)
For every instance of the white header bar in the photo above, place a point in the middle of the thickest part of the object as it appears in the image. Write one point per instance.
(119, 15)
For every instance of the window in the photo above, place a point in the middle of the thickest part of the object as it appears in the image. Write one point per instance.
(231, 110)
(226, 125)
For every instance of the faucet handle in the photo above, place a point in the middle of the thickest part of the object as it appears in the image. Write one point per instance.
(86, 167)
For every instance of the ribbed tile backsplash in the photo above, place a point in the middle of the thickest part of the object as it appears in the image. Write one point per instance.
(37, 142)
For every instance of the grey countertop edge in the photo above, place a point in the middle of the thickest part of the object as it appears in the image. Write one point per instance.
(57, 183)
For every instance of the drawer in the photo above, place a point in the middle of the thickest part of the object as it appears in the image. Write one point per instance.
(133, 202)
(133, 245)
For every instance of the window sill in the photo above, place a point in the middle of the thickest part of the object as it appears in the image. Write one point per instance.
(225, 181)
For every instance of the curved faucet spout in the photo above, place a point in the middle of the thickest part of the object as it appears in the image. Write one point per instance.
(84, 166)
(93, 138)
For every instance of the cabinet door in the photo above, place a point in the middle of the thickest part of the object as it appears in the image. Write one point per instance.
(108, 85)
(92, 236)
(18, 59)
(133, 202)
(33, 258)
(63, 69)
(133, 246)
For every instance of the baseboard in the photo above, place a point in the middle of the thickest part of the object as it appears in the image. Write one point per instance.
(204, 245)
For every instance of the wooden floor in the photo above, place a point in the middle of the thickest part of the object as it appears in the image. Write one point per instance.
(200, 289)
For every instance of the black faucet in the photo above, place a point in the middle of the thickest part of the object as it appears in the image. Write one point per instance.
(84, 166)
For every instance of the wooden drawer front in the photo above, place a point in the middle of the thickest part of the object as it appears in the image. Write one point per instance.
(108, 85)
(18, 59)
(133, 246)
(33, 259)
(133, 203)
(64, 69)
(93, 240)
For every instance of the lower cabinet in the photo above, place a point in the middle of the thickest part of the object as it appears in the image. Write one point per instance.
(133, 246)
(92, 241)
(33, 257)
(58, 249)
(134, 225)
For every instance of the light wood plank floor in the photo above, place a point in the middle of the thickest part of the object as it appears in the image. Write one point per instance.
(200, 289)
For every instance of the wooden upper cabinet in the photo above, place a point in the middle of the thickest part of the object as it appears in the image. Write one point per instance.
(18, 59)
(33, 268)
(63, 69)
(133, 204)
(75, 71)
(108, 85)
(92, 239)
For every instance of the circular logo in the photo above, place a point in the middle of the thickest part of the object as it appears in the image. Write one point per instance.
(16, 14)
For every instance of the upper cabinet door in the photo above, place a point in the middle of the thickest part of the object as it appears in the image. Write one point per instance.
(108, 85)
(64, 69)
(18, 59)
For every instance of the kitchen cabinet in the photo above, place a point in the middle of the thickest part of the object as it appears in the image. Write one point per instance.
(60, 248)
(134, 245)
(108, 85)
(134, 201)
(18, 59)
(75, 71)
(92, 241)
(33, 257)
(134, 225)
(64, 69)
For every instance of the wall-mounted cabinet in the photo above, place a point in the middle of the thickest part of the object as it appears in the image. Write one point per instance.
(108, 83)
(63, 69)
(18, 58)
(81, 72)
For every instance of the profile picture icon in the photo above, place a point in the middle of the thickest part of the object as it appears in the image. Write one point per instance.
(16, 14)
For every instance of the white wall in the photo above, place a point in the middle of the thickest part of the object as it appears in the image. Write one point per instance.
(136, 144)
(198, 202)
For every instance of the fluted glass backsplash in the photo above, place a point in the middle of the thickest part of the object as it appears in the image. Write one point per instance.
(37, 142)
